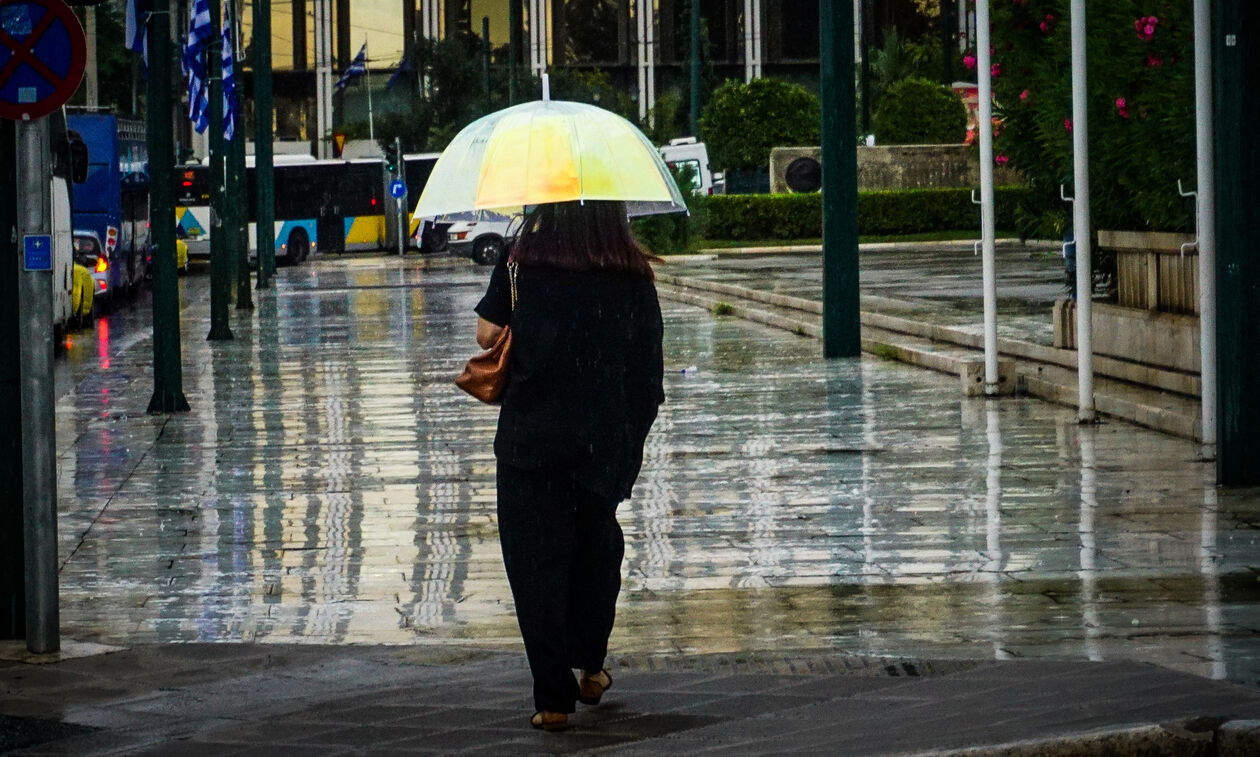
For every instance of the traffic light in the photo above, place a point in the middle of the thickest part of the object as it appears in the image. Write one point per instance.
(392, 157)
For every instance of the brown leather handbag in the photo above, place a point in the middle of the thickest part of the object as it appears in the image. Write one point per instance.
(486, 374)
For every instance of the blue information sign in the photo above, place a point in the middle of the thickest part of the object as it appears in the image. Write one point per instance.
(397, 189)
(37, 252)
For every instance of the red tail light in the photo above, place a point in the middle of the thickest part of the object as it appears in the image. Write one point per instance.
(102, 265)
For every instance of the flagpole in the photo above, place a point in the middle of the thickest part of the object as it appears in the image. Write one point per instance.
(367, 72)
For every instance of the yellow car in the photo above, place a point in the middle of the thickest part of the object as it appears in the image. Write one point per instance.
(82, 293)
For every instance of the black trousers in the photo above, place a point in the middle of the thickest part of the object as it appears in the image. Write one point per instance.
(562, 547)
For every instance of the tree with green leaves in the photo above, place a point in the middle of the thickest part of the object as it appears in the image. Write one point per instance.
(742, 122)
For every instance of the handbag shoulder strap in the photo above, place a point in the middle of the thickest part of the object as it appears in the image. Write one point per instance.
(512, 266)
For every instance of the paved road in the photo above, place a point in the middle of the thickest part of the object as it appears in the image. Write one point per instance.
(330, 485)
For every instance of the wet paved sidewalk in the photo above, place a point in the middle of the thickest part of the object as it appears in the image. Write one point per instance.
(937, 282)
(263, 699)
(331, 486)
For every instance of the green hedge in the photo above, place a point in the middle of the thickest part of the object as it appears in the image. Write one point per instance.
(904, 211)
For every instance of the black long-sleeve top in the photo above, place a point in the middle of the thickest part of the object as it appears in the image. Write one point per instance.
(585, 375)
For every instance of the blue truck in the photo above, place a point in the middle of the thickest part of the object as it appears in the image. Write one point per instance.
(113, 201)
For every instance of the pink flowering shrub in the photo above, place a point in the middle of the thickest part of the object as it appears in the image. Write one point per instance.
(1145, 27)
(1141, 110)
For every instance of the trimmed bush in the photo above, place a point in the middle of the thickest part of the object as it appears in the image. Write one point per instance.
(742, 122)
(916, 111)
(672, 233)
(903, 211)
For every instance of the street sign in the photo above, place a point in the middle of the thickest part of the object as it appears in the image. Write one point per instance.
(42, 54)
(37, 252)
(339, 144)
(397, 189)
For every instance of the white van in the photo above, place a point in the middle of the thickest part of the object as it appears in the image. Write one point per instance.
(686, 151)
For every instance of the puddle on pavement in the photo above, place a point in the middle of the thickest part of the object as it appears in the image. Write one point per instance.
(331, 486)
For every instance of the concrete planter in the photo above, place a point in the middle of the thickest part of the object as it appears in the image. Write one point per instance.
(796, 169)
(1155, 271)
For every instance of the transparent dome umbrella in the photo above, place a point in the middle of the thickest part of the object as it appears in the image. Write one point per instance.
(549, 151)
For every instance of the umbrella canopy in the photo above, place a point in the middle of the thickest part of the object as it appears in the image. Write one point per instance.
(549, 151)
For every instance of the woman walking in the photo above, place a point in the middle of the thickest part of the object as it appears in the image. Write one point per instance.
(584, 384)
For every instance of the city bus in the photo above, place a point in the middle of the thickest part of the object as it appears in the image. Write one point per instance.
(330, 206)
(112, 201)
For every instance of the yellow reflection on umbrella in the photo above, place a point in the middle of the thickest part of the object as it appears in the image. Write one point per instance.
(549, 151)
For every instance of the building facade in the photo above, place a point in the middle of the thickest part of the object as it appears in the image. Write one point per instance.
(643, 45)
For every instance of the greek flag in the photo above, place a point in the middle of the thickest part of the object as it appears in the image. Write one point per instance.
(358, 67)
(193, 62)
(231, 103)
(136, 28)
(404, 67)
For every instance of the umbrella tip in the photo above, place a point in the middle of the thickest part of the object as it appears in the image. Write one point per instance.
(546, 88)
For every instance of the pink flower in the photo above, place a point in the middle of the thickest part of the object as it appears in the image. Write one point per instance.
(1047, 24)
(1154, 61)
(1023, 96)
(1145, 27)
(1001, 160)
(969, 61)
(1122, 107)
(995, 70)
(1067, 124)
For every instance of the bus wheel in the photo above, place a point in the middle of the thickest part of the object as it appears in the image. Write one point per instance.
(299, 246)
(486, 251)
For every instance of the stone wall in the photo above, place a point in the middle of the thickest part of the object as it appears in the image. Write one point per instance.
(1163, 340)
(898, 167)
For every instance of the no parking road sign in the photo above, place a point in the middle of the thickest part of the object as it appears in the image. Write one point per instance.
(42, 53)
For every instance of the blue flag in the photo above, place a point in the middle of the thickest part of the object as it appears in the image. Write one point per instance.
(136, 28)
(231, 103)
(193, 62)
(404, 67)
(358, 67)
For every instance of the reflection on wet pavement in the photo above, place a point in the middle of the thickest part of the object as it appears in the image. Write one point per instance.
(938, 283)
(332, 485)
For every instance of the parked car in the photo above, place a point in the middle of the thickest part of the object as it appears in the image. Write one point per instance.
(482, 235)
(90, 253)
(82, 296)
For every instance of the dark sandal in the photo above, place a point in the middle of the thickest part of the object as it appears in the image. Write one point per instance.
(591, 688)
(547, 720)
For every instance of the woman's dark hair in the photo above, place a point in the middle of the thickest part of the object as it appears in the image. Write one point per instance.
(581, 236)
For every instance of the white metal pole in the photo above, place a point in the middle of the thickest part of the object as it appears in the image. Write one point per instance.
(748, 33)
(1206, 221)
(641, 46)
(329, 66)
(1081, 220)
(320, 126)
(649, 49)
(323, 93)
(756, 39)
(984, 79)
(91, 79)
